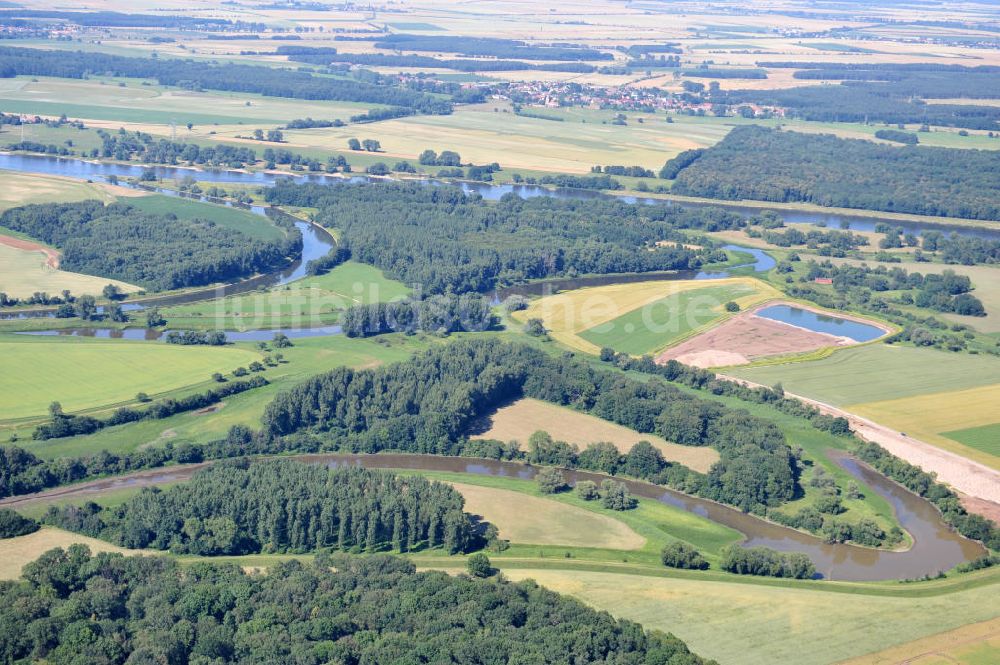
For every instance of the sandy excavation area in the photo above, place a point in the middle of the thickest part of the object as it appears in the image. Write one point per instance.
(745, 338)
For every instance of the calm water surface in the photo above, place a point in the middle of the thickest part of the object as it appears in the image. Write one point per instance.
(822, 323)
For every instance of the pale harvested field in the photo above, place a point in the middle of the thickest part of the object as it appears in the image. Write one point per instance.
(745, 338)
(752, 624)
(19, 189)
(975, 644)
(567, 314)
(24, 271)
(531, 520)
(16, 552)
(518, 421)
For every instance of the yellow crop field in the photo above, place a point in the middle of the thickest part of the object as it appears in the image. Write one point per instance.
(567, 315)
(518, 421)
(522, 518)
(975, 644)
(927, 416)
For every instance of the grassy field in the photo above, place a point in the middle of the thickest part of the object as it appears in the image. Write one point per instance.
(83, 374)
(255, 226)
(658, 324)
(752, 624)
(105, 99)
(306, 358)
(518, 421)
(571, 314)
(310, 301)
(878, 372)
(492, 132)
(526, 519)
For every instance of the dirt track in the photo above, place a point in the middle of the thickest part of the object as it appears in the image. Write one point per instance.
(979, 483)
(51, 255)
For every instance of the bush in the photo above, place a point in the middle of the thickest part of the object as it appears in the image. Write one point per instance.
(732, 306)
(682, 555)
(550, 481)
(13, 524)
(616, 496)
(479, 565)
(767, 562)
(587, 490)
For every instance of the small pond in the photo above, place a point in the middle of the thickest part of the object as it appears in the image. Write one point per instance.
(822, 323)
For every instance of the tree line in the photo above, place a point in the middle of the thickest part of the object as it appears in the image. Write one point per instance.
(881, 92)
(487, 46)
(159, 252)
(338, 609)
(449, 241)
(63, 424)
(243, 507)
(442, 314)
(428, 62)
(763, 164)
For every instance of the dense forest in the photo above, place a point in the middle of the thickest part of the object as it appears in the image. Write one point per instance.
(429, 403)
(107, 19)
(149, 609)
(446, 240)
(158, 252)
(198, 75)
(763, 164)
(242, 507)
(890, 93)
(488, 47)
(442, 314)
(428, 62)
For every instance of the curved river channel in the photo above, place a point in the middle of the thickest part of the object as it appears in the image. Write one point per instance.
(936, 546)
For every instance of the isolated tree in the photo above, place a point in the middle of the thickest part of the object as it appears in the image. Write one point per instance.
(371, 145)
(732, 306)
(275, 136)
(141, 397)
(111, 292)
(258, 134)
(535, 328)
(449, 158)
(240, 371)
(86, 308)
(354, 144)
(428, 158)
(154, 319)
(55, 410)
(550, 481)
(218, 378)
(115, 313)
(479, 565)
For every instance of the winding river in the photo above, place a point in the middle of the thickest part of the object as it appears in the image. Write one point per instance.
(77, 168)
(936, 546)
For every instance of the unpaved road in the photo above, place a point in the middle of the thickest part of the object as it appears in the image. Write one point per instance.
(965, 476)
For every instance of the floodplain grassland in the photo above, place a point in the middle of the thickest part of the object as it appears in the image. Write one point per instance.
(244, 221)
(757, 624)
(530, 520)
(84, 374)
(519, 420)
(308, 356)
(310, 301)
(567, 316)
